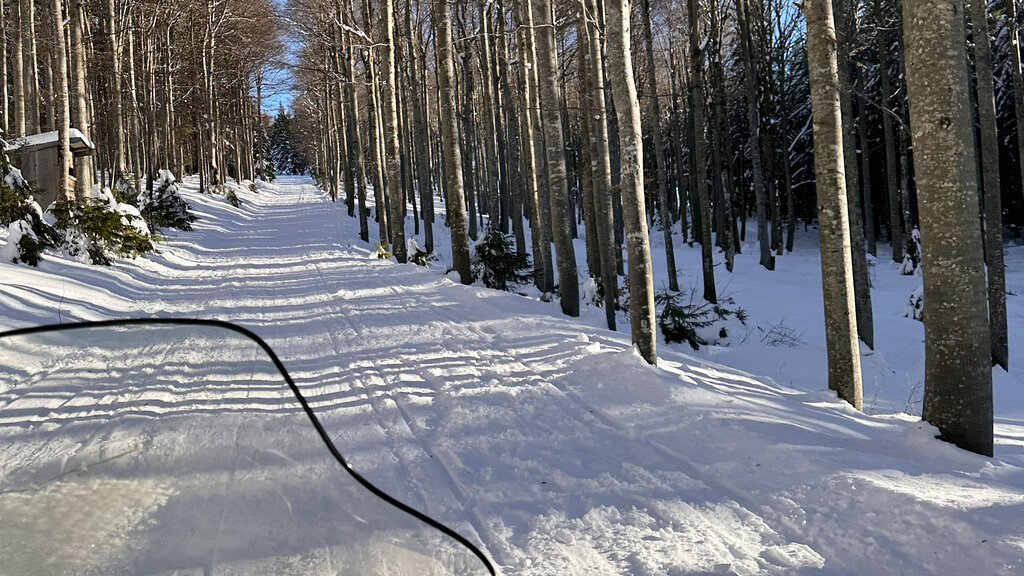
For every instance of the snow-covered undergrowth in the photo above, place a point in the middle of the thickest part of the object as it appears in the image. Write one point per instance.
(548, 440)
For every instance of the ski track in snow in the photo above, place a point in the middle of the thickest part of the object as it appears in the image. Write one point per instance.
(545, 439)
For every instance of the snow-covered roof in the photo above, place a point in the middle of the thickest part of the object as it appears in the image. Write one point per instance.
(47, 139)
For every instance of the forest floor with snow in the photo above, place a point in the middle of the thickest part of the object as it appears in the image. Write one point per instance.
(548, 441)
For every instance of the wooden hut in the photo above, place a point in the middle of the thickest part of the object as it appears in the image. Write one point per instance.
(36, 156)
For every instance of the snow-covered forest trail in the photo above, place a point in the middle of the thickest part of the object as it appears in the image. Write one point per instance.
(548, 441)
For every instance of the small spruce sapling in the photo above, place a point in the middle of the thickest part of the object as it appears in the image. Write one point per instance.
(496, 263)
(101, 228)
(163, 207)
(27, 232)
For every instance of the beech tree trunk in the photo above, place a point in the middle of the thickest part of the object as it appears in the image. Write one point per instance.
(844, 374)
(391, 149)
(116, 112)
(895, 228)
(551, 106)
(449, 141)
(861, 282)
(958, 352)
(699, 162)
(596, 112)
(654, 111)
(1018, 83)
(754, 142)
(991, 187)
(4, 112)
(18, 124)
(31, 63)
(62, 105)
(627, 108)
(83, 171)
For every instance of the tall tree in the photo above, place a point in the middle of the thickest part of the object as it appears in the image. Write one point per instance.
(991, 187)
(654, 111)
(62, 105)
(698, 161)
(754, 130)
(844, 374)
(958, 353)
(449, 136)
(551, 108)
(846, 21)
(595, 109)
(392, 152)
(627, 109)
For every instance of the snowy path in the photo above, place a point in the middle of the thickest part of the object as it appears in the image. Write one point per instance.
(544, 439)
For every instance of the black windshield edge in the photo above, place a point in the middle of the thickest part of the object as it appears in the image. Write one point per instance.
(291, 385)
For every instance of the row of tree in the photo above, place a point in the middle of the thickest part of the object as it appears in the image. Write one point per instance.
(157, 84)
(529, 111)
(533, 116)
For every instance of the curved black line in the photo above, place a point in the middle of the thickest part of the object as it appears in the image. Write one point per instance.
(291, 385)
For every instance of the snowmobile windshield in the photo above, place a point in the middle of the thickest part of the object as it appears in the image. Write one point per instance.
(185, 448)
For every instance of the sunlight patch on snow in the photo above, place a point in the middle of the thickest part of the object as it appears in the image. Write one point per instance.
(943, 490)
(75, 524)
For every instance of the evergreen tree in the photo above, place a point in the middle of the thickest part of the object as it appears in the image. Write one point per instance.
(283, 150)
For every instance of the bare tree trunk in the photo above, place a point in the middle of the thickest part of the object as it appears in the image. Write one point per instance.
(540, 160)
(991, 187)
(641, 285)
(865, 162)
(958, 352)
(421, 136)
(83, 171)
(469, 136)
(1018, 82)
(116, 112)
(697, 151)
(596, 113)
(659, 147)
(391, 148)
(836, 265)
(720, 161)
(62, 105)
(547, 73)
(524, 41)
(28, 25)
(754, 143)
(5, 119)
(845, 21)
(515, 183)
(449, 141)
(895, 221)
(18, 64)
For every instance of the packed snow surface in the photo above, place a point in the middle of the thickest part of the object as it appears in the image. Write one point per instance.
(548, 440)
